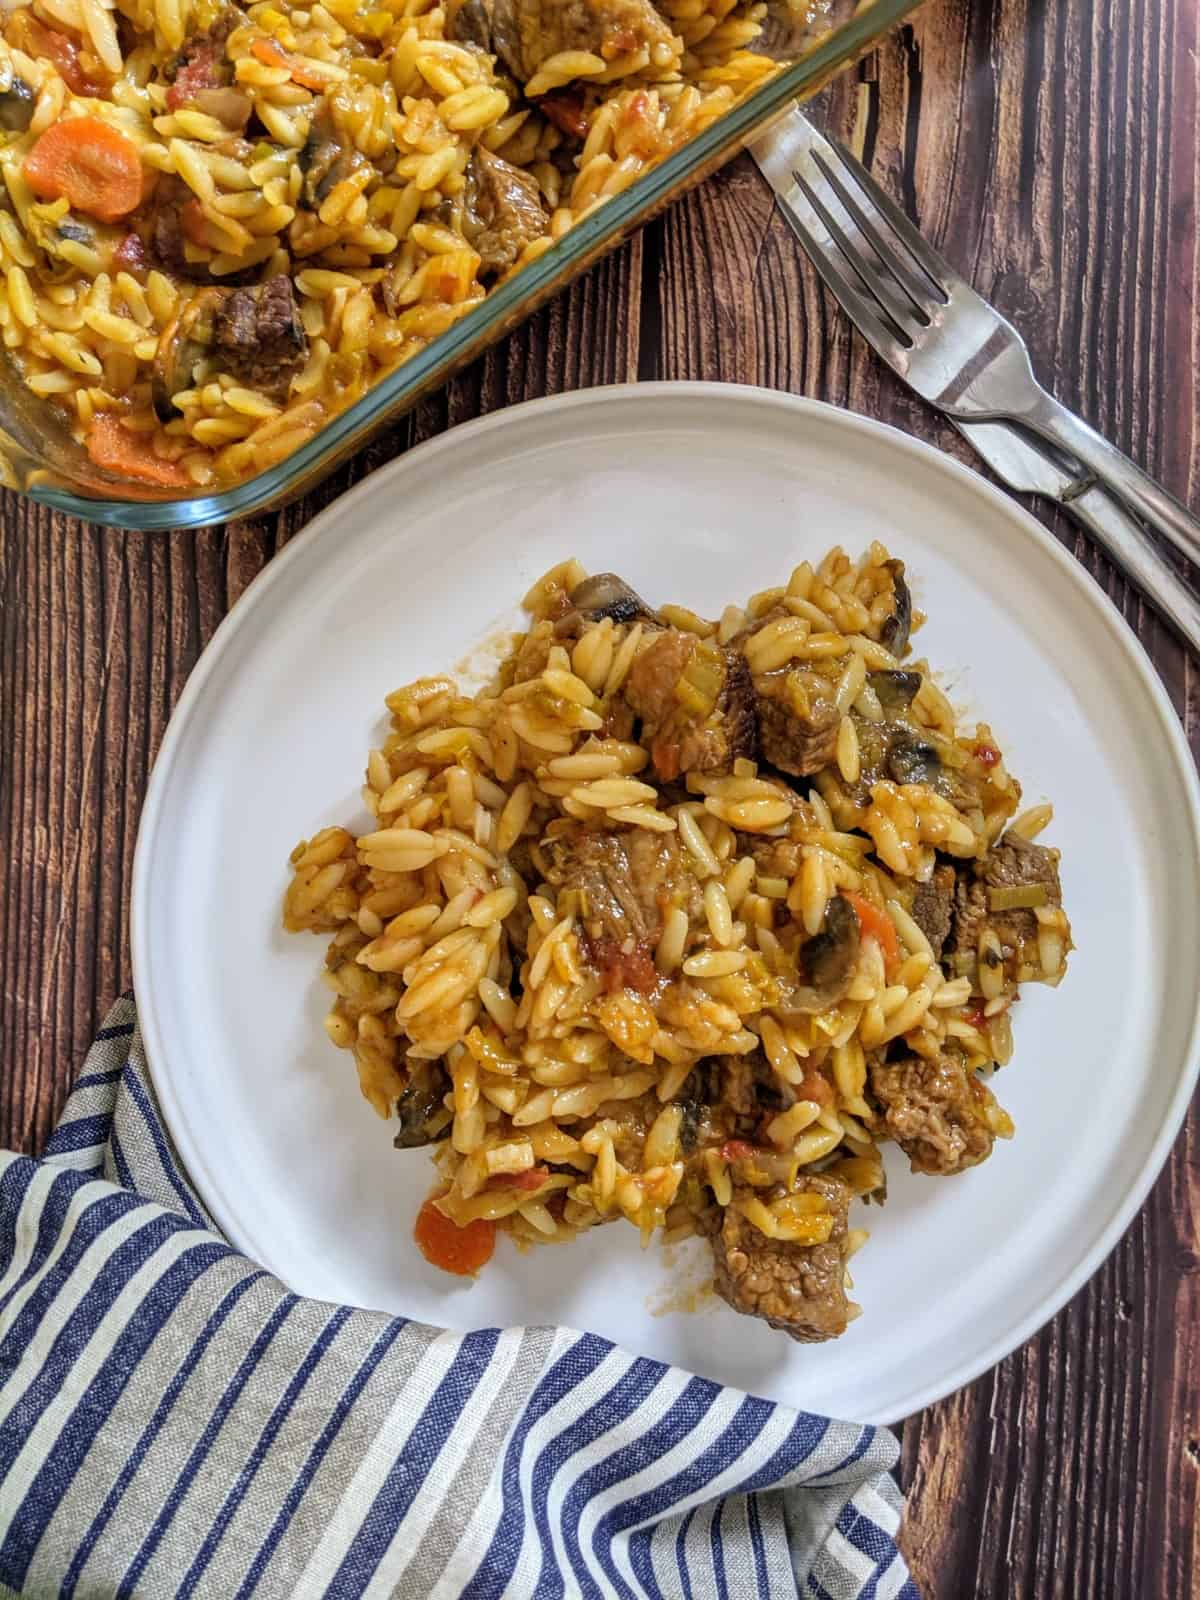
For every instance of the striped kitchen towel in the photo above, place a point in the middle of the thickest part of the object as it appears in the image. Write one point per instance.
(174, 1422)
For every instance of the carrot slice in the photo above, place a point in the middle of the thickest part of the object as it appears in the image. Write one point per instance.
(274, 55)
(90, 164)
(459, 1250)
(113, 446)
(876, 924)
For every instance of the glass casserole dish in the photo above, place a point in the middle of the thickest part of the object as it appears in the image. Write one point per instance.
(39, 451)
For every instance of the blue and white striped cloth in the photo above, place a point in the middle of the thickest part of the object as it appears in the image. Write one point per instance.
(175, 1422)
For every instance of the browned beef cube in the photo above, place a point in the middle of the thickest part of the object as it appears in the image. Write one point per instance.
(798, 723)
(503, 210)
(258, 335)
(933, 906)
(696, 702)
(798, 1289)
(936, 1110)
(525, 33)
(1014, 864)
(626, 883)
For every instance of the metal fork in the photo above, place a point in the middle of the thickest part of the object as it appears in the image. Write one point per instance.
(927, 323)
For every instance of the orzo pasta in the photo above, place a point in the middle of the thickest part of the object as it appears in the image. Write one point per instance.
(679, 920)
(221, 224)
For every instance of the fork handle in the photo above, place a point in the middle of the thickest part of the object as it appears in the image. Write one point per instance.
(1045, 416)
(1134, 552)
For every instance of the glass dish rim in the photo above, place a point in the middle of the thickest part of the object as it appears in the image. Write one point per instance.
(351, 428)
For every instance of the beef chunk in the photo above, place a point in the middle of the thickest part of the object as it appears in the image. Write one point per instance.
(524, 33)
(733, 1097)
(626, 883)
(1013, 864)
(795, 708)
(791, 28)
(696, 702)
(798, 724)
(159, 224)
(798, 1289)
(935, 1110)
(502, 212)
(161, 227)
(472, 24)
(420, 1107)
(258, 335)
(933, 906)
(201, 63)
(747, 1089)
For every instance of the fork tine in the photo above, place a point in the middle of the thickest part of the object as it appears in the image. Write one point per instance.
(879, 284)
(926, 293)
(868, 316)
(935, 267)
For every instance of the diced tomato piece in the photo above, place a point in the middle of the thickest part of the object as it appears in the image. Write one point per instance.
(987, 755)
(130, 255)
(36, 39)
(737, 1150)
(200, 72)
(624, 969)
(876, 924)
(665, 754)
(463, 1251)
(194, 223)
(976, 1018)
(814, 1086)
(564, 108)
(533, 1178)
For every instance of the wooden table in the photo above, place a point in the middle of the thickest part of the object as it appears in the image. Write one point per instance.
(1050, 146)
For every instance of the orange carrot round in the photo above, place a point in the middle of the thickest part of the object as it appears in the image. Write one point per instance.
(459, 1250)
(876, 924)
(97, 169)
(112, 446)
(274, 55)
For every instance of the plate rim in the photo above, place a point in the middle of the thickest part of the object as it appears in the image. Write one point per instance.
(278, 570)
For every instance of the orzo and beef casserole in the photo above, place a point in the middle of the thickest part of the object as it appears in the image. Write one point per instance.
(221, 224)
(678, 920)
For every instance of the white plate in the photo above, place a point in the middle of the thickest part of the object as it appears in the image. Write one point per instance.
(699, 494)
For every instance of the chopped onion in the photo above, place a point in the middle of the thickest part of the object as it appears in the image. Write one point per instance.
(1021, 897)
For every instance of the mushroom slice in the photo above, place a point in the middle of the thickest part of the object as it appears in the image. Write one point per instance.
(16, 106)
(895, 690)
(829, 959)
(606, 595)
(894, 633)
(184, 341)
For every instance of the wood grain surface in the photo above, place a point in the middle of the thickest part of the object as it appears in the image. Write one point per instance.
(1050, 147)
